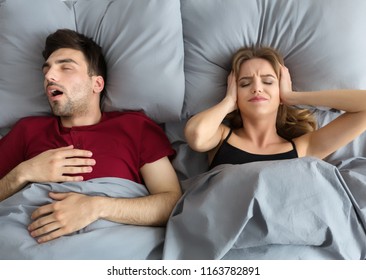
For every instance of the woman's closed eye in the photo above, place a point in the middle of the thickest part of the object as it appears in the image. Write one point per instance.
(265, 82)
(268, 80)
(244, 84)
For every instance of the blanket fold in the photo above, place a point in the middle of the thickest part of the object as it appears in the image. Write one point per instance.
(290, 209)
(100, 240)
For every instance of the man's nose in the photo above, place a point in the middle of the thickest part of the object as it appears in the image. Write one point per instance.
(51, 75)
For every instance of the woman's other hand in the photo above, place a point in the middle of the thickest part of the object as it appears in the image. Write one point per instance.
(285, 85)
(232, 91)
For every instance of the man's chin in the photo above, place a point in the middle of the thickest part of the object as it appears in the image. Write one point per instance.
(58, 113)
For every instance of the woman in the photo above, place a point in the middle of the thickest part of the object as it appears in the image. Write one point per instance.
(262, 122)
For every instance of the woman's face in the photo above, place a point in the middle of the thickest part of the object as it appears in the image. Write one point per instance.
(258, 89)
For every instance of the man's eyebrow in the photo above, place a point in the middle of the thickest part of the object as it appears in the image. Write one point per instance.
(60, 61)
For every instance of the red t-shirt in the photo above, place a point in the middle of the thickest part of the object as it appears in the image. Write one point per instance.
(122, 142)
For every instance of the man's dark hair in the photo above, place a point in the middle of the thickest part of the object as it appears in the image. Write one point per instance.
(66, 38)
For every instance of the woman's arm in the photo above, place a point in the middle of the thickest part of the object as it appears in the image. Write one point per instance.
(204, 130)
(337, 133)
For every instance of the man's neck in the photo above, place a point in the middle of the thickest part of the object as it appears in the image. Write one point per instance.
(81, 120)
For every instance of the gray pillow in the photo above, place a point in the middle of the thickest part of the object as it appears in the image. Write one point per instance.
(323, 43)
(24, 26)
(143, 45)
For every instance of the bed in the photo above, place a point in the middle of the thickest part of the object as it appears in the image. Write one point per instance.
(295, 209)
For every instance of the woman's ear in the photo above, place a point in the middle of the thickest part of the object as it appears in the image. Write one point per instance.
(98, 84)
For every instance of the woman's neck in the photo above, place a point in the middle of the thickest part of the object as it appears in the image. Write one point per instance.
(261, 133)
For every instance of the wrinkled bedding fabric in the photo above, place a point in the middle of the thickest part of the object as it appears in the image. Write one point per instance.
(291, 209)
(100, 240)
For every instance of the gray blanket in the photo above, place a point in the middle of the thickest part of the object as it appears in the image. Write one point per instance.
(100, 240)
(292, 209)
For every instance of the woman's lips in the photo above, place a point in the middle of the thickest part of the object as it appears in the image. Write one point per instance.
(257, 99)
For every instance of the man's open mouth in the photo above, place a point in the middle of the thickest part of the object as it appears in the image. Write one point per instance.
(56, 92)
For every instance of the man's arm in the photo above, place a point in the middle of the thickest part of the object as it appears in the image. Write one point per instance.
(11, 183)
(153, 210)
(49, 166)
(73, 211)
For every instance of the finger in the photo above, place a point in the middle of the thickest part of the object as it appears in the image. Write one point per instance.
(285, 71)
(51, 236)
(58, 196)
(40, 222)
(282, 70)
(70, 147)
(69, 152)
(41, 211)
(232, 77)
(65, 178)
(46, 229)
(76, 170)
(79, 162)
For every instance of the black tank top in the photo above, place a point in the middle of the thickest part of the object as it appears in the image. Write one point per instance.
(232, 155)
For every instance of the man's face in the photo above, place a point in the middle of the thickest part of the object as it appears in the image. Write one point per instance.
(67, 83)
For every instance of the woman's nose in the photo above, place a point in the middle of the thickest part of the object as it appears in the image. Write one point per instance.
(256, 87)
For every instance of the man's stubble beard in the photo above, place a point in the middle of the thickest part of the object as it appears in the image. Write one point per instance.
(70, 108)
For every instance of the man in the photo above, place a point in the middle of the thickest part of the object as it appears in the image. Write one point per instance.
(80, 142)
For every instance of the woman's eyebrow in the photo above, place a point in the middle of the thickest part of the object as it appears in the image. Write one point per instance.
(245, 78)
(269, 76)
